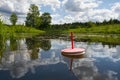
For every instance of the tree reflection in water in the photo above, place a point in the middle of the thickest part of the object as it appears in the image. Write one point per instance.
(17, 57)
(45, 44)
(2, 46)
(20, 55)
(35, 45)
(13, 43)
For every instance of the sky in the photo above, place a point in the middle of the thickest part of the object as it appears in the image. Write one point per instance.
(63, 11)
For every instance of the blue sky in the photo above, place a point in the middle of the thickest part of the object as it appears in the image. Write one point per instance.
(63, 11)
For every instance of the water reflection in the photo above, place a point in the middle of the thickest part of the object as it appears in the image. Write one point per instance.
(72, 57)
(2, 45)
(44, 44)
(15, 58)
(91, 69)
(37, 58)
(102, 63)
(22, 55)
(13, 44)
(88, 70)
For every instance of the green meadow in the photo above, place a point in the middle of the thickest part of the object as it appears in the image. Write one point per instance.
(102, 29)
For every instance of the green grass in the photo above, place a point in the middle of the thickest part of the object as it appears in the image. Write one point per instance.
(105, 39)
(106, 29)
(22, 29)
(18, 31)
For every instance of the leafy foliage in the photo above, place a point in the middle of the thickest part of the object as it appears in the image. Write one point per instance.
(33, 17)
(13, 18)
(1, 25)
(46, 20)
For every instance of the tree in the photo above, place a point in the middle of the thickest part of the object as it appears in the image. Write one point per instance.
(1, 21)
(104, 22)
(45, 20)
(90, 24)
(33, 17)
(116, 21)
(13, 18)
(111, 21)
(1, 24)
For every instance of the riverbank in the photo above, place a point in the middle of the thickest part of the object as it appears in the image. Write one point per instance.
(101, 29)
(17, 30)
(20, 29)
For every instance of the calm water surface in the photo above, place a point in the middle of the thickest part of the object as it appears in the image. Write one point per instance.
(40, 58)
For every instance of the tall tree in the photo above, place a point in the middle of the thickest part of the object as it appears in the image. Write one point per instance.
(1, 21)
(1, 24)
(45, 20)
(13, 18)
(33, 17)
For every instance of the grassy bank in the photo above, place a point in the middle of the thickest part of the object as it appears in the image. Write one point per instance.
(20, 29)
(104, 39)
(101, 29)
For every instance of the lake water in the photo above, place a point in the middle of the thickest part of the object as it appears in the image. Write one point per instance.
(40, 58)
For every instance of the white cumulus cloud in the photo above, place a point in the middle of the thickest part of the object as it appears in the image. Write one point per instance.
(89, 10)
(63, 11)
(80, 5)
(20, 7)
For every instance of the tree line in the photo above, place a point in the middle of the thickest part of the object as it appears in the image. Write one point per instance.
(34, 19)
(85, 24)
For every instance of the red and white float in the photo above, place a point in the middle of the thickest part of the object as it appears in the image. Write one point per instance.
(72, 50)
